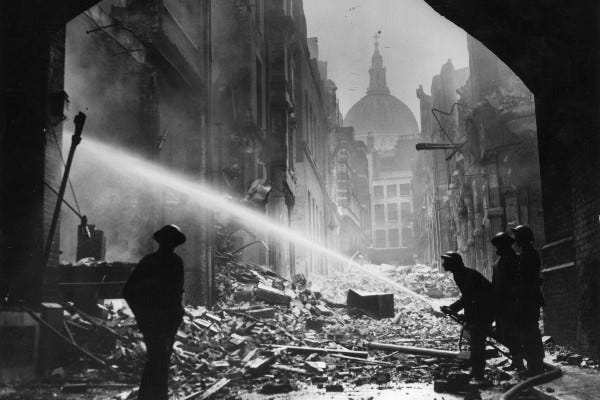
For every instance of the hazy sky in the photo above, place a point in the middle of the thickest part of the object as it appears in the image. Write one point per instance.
(415, 42)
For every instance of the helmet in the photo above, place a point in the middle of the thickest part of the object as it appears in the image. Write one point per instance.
(502, 238)
(169, 234)
(453, 257)
(523, 232)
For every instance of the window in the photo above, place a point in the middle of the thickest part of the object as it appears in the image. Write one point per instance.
(380, 239)
(394, 238)
(405, 209)
(392, 209)
(391, 191)
(378, 192)
(407, 237)
(379, 213)
(405, 189)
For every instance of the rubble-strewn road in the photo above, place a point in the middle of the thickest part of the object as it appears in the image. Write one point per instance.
(269, 338)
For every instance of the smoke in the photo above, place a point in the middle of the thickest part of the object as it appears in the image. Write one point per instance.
(118, 95)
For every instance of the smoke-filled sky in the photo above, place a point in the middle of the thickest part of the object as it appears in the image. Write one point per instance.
(415, 42)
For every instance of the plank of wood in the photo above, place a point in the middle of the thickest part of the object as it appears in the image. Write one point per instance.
(287, 368)
(362, 360)
(208, 393)
(320, 350)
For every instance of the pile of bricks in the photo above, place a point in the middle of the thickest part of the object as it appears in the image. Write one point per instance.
(271, 335)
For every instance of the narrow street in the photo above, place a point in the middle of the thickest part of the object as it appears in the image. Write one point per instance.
(300, 341)
(299, 199)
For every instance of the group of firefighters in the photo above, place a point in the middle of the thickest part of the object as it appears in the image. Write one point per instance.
(513, 300)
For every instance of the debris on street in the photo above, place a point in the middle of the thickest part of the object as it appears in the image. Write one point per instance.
(271, 335)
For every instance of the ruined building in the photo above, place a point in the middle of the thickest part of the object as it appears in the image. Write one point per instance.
(430, 180)
(389, 129)
(226, 93)
(479, 172)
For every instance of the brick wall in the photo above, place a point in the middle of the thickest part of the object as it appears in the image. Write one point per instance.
(586, 233)
(570, 183)
(560, 297)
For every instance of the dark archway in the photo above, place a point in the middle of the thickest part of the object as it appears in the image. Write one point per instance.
(553, 47)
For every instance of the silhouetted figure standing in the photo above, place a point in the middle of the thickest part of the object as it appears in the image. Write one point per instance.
(530, 300)
(505, 280)
(477, 299)
(154, 291)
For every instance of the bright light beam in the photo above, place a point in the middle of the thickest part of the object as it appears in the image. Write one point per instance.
(204, 196)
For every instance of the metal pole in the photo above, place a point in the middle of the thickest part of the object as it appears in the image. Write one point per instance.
(79, 121)
(417, 350)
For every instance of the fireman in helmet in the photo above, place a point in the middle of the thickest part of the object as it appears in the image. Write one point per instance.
(505, 280)
(477, 299)
(154, 293)
(530, 300)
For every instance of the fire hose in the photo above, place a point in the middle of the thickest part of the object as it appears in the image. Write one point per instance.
(552, 373)
(545, 377)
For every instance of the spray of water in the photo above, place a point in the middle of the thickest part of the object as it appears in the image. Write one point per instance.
(204, 196)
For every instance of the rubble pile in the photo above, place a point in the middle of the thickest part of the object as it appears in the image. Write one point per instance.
(414, 316)
(423, 279)
(271, 335)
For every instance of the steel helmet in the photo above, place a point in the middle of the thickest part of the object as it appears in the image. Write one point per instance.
(502, 238)
(523, 232)
(454, 257)
(169, 234)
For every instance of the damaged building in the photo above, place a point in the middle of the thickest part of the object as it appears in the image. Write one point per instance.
(478, 173)
(139, 73)
(228, 93)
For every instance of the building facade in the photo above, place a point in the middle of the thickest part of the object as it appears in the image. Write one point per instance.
(389, 130)
(140, 71)
(315, 118)
(351, 193)
(431, 179)
(481, 173)
(230, 93)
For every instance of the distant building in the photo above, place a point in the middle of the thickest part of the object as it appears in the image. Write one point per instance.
(350, 192)
(389, 129)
